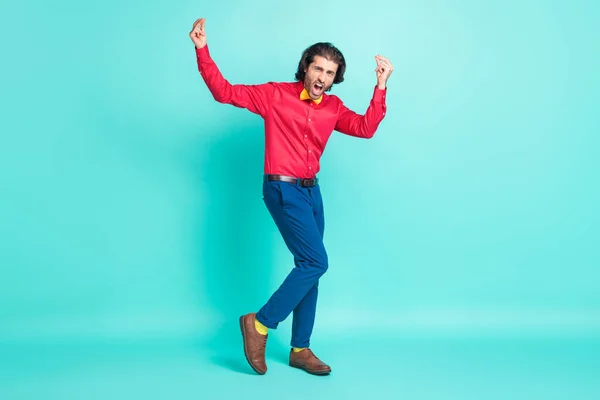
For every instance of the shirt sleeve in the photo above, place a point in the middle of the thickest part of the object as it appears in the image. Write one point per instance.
(255, 98)
(363, 126)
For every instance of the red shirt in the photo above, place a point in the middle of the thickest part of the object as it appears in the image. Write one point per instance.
(296, 131)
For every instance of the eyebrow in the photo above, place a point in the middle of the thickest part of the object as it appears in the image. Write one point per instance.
(328, 71)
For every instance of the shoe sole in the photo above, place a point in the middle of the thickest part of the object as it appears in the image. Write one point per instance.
(245, 353)
(320, 373)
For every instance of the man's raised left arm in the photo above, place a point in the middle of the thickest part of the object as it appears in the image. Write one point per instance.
(353, 124)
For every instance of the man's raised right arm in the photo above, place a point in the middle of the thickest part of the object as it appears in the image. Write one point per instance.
(255, 98)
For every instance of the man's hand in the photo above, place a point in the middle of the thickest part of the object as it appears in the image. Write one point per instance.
(198, 34)
(384, 70)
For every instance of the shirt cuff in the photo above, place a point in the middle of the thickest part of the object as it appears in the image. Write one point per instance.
(202, 53)
(379, 94)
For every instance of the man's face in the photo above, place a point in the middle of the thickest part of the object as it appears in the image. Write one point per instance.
(319, 76)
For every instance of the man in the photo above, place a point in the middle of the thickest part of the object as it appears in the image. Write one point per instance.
(299, 118)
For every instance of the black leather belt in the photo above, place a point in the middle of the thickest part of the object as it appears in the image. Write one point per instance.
(290, 179)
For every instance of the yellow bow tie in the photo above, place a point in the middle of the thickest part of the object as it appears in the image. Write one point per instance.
(304, 96)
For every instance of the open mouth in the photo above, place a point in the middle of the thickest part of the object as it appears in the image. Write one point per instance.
(317, 88)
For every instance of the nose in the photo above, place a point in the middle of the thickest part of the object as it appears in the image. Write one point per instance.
(322, 77)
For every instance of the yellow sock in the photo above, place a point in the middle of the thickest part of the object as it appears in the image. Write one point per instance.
(263, 330)
(298, 349)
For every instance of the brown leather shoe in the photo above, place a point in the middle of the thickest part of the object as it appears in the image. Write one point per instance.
(307, 361)
(254, 344)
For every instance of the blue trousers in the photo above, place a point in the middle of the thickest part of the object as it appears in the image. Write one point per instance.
(298, 214)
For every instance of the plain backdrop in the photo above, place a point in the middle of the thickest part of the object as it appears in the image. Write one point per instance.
(131, 205)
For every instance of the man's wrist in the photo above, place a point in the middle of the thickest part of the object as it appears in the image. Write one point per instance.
(381, 86)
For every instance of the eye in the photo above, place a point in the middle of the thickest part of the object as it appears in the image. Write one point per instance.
(331, 73)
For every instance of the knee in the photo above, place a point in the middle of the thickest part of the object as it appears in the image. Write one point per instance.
(321, 263)
(315, 264)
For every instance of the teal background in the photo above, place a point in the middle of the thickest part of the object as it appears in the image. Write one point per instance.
(463, 238)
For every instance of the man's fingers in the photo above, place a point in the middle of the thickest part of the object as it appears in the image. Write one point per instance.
(383, 60)
(199, 25)
(383, 71)
(197, 32)
(386, 67)
(199, 29)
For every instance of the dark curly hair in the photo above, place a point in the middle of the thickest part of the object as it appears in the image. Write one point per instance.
(323, 49)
